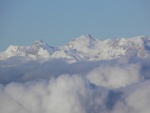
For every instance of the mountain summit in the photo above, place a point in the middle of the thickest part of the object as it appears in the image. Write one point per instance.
(83, 43)
(83, 48)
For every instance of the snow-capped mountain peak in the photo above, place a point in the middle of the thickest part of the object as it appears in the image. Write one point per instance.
(83, 38)
(39, 43)
(90, 37)
(41, 50)
(82, 43)
(82, 48)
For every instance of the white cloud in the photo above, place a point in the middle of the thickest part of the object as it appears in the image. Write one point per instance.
(66, 94)
(136, 99)
(115, 86)
(115, 76)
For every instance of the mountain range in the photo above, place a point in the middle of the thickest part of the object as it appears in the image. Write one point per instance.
(83, 48)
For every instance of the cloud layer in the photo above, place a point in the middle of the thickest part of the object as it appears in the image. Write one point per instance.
(115, 86)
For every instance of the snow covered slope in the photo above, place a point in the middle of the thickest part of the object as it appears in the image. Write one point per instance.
(83, 48)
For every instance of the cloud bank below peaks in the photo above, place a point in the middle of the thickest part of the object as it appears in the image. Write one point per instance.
(113, 86)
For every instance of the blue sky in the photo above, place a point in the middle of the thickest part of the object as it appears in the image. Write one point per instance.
(58, 21)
